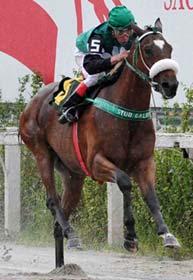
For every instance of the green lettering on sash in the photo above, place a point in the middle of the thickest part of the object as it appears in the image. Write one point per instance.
(119, 111)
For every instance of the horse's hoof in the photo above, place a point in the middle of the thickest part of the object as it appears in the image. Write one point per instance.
(131, 245)
(74, 243)
(170, 241)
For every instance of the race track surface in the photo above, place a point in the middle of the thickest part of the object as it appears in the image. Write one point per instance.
(37, 263)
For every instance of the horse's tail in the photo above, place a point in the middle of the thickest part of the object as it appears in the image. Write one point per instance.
(23, 130)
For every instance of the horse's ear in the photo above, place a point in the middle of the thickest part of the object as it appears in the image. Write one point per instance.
(158, 24)
(137, 29)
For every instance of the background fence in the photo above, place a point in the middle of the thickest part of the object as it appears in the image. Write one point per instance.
(11, 168)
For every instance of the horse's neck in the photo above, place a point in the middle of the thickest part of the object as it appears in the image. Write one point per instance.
(131, 91)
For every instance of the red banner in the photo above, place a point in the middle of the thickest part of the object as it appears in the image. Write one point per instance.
(29, 35)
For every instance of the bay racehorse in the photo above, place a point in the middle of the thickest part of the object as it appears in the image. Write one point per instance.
(115, 136)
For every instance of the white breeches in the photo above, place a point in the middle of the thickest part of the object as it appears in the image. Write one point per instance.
(90, 80)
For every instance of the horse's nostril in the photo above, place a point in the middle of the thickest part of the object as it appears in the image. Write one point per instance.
(165, 85)
(170, 86)
(173, 88)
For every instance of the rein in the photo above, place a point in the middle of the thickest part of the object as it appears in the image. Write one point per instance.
(155, 69)
(136, 54)
(138, 72)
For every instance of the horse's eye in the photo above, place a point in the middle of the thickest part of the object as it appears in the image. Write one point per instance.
(148, 51)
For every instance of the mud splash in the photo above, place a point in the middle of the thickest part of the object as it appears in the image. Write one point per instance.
(67, 272)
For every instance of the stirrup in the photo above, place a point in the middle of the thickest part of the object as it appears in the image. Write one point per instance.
(70, 115)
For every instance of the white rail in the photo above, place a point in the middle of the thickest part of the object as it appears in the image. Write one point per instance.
(11, 168)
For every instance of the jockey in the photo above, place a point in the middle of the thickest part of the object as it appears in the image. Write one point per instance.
(97, 51)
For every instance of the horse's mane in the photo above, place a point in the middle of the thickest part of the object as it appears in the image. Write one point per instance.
(139, 31)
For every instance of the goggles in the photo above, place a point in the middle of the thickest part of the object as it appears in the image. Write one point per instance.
(122, 31)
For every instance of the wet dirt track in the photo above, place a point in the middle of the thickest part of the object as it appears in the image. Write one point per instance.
(35, 263)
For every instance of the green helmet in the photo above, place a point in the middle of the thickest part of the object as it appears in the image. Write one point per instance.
(120, 17)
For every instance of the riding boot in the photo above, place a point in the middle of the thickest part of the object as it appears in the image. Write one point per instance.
(69, 112)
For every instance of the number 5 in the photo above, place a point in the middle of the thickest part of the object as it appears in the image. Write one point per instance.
(95, 45)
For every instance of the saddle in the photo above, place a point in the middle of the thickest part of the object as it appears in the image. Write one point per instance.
(68, 85)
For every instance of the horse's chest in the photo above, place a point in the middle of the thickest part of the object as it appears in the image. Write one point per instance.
(141, 146)
(130, 146)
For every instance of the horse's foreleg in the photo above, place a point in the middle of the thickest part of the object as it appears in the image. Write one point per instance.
(145, 178)
(130, 243)
(104, 170)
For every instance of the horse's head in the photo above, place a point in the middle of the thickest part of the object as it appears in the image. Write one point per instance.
(152, 57)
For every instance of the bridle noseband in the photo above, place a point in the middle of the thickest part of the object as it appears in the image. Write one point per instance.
(156, 68)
